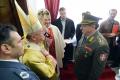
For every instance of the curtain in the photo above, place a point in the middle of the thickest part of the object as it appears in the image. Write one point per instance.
(52, 6)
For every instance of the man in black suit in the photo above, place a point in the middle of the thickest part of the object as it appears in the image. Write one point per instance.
(67, 29)
(10, 50)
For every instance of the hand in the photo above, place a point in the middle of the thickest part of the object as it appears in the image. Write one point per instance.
(49, 41)
(112, 35)
(45, 52)
(67, 41)
(53, 59)
(109, 34)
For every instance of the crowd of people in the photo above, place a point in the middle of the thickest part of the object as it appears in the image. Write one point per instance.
(48, 46)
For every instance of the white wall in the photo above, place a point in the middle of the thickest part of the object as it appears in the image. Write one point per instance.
(98, 8)
(75, 8)
(36, 5)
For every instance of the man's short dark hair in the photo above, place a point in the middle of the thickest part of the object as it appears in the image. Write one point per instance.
(113, 10)
(62, 9)
(5, 30)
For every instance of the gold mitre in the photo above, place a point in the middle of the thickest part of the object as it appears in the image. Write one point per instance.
(29, 22)
(34, 22)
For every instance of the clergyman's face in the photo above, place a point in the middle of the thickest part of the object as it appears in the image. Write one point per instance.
(39, 35)
(17, 47)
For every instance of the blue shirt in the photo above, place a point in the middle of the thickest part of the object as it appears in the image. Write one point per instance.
(10, 70)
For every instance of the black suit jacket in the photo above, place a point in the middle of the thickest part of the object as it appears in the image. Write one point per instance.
(78, 32)
(69, 27)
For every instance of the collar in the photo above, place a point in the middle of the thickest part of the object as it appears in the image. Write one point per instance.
(111, 20)
(91, 34)
(12, 64)
(10, 60)
(50, 26)
(63, 19)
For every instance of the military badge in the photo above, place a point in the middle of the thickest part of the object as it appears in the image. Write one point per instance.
(28, 46)
(91, 39)
(88, 49)
(100, 41)
(103, 57)
(24, 75)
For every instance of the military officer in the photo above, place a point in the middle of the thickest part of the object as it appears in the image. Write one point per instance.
(92, 51)
(10, 49)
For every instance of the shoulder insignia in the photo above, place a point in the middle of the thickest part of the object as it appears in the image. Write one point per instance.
(91, 39)
(99, 40)
(24, 75)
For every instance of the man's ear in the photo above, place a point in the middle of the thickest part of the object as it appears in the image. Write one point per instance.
(5, 48)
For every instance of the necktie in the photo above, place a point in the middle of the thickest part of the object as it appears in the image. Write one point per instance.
(84, 39)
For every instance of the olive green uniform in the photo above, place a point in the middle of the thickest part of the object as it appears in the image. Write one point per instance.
(91, 56)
